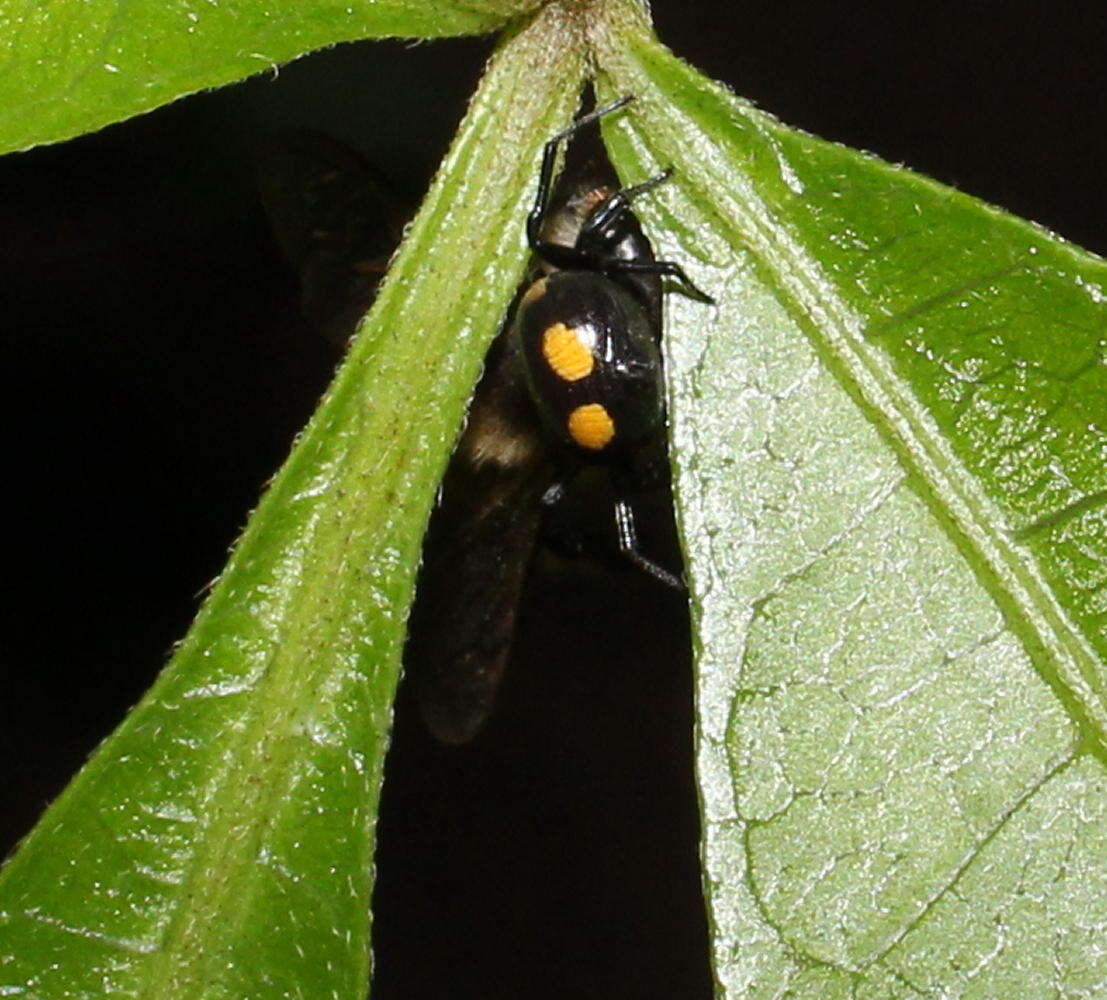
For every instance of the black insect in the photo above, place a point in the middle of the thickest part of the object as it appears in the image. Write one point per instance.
(574, 381)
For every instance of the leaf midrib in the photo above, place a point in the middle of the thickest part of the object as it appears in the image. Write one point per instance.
(292, 661)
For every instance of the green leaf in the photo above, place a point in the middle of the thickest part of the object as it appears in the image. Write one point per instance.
(71, 68)
(889, 445)
(220, 843)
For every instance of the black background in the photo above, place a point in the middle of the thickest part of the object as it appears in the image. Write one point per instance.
(157, 368)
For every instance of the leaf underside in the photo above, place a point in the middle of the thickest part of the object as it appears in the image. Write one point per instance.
(66, 69)
(889, 445)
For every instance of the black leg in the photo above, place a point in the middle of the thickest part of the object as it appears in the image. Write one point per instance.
(615, 204)
(545, 175)
(628, 545)
(666, 268)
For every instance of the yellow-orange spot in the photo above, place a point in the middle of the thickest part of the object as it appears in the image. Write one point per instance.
(569, 358)
(591, 426)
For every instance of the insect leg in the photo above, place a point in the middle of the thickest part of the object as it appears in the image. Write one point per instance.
(665, 268)
(545, 174)
(618, 202)
(627, 531)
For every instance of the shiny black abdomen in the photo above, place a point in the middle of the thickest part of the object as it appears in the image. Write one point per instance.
(625, 377)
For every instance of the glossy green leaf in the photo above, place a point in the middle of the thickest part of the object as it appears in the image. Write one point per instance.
(220, 843)
(69, 68)
(890, 442)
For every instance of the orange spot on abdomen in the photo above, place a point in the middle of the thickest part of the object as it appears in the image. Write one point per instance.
(591, 426)
(567, 355)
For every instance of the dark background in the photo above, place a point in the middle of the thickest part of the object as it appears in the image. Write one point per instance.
(157, 368)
